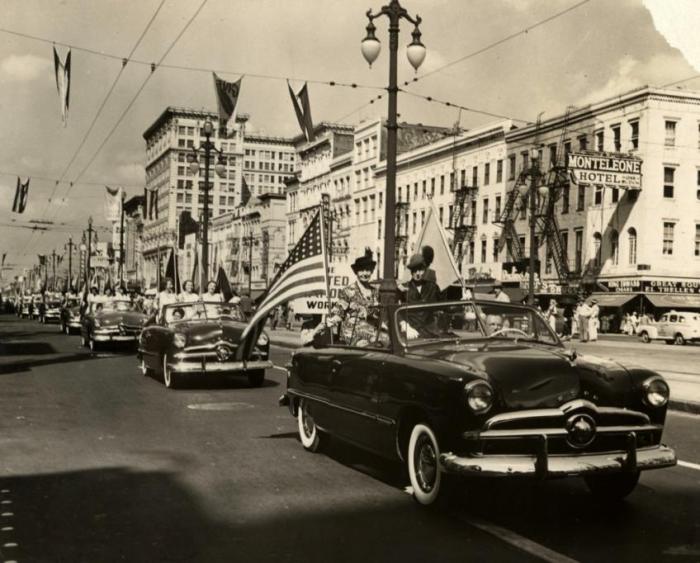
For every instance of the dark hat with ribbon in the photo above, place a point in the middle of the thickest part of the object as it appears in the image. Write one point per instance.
(365, 262)
(417, 262)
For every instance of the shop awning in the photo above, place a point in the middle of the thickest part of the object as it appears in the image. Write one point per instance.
(674, 301)
(612, 299)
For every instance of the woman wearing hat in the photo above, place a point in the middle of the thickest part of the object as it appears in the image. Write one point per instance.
(420, 289)
(356, 309)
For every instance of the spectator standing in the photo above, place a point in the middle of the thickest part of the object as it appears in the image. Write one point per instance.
(594, 321)
(499, 294)
(584, 316)
(551, 314)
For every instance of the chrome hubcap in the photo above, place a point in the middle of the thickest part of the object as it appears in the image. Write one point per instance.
(307, 422)
(425, 463)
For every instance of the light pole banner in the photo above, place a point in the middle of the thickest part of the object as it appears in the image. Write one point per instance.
(603, 169)
(226, 97)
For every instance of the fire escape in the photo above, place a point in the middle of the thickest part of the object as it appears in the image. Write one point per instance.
(513, 205)
(462, 223)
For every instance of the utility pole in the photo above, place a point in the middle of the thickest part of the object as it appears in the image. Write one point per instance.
(250, 263)
(89, 252)
(534, 179)
(121, 243)
(70, 263)
(53, 270)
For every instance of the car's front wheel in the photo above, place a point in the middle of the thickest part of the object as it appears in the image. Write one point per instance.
(256, 377)
(145, 370)
(170, 379)
(679, 339)
(311, 437)
(645, 337)
(612, 487)
(423, 461)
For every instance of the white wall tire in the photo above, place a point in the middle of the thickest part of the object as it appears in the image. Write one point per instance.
(169, 378)
(145, 370)
(309, 434)
(423, 465)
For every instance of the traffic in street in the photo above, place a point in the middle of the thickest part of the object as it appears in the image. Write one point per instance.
(102, 463)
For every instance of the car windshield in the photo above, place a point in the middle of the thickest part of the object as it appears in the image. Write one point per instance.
(465, 321)
(121, 306)
(201, 311)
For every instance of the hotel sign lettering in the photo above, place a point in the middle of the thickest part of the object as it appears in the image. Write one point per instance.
(617, 171)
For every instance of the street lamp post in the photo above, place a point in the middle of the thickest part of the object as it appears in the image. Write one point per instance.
(220, 168)
(70, 246)
(416, 54)
(89, 252)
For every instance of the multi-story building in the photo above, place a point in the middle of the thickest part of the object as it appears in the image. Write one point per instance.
(267, 162)
(133, 232)
(634, 247)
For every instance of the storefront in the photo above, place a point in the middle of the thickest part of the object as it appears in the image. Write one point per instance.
(652, 296)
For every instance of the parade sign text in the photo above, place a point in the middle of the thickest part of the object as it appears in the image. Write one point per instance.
(606, 170)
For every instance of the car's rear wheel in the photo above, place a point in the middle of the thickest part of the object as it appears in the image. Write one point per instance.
(170, 379)
(612, 487)
(311, 437)
(679, 339)
(645, 337)
(256, 377)
(423, 461)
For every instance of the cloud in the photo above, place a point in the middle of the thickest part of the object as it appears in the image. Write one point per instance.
(678, 22)
(24, 68)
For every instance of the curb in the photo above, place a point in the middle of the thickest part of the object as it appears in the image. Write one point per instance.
(690, 407)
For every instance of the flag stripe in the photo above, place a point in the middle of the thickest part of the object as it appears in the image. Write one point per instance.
(298, 288)
(299, 268)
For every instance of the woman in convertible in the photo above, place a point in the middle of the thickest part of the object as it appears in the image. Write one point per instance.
(356, 311)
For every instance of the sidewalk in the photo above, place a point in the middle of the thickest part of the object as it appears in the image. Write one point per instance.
(685, 385)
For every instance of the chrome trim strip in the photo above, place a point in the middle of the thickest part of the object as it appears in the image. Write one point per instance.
(207, 367)
(113, 338)
(376, 417)
(550, 432)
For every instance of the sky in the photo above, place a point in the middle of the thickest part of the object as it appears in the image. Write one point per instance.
(597, 50)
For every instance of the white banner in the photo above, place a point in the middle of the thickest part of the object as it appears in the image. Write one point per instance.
(340, 274)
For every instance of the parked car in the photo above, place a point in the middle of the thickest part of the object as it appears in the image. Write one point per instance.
(675, 327)
(37, 306)
(200, 338)
(481, 389)
(111, 322)
(70, 315)
(50, 311)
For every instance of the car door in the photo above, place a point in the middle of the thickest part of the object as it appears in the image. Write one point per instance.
(662, 326)
(355, 380)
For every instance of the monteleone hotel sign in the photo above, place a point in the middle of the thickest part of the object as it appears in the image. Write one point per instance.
(604, 169)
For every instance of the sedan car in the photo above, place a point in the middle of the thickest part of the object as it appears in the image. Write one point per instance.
(674, 327)
(477, 389)
(51, 311)
(111, 322)
(200, 338)
(70, 315)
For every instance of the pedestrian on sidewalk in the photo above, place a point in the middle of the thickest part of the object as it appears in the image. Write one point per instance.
(290, 316)
(594, 321)
(275, 318)
(584, 315)
(551, 315)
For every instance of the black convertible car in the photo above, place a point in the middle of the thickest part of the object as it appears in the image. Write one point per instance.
(481, 389)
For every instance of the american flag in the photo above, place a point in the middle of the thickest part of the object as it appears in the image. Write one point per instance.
(302, 274)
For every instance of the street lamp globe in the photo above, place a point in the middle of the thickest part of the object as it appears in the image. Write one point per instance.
(370, 45)
(416, 50)
(534, 153)
(220, 168)
(208, 128)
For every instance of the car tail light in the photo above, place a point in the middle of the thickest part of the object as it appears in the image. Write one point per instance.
(479, 396)
(656, 391)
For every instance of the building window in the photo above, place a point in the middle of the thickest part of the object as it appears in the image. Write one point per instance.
(667, 249)
(615, 195)
(475, 176)
(579, 249)
(632, 243)
(598, 195)
(615, 247)
(483, 251)
(415, 191)
(583, 143)
(379, 229)
(487, 174)
(565, 199)
(511, 166)
(697, 239)
(634, 135)
(581, 202)
(432, 187)
(415, 222)
(495, 250)
(553, 155)
(473, 213)
(441, 214)
(670, 137)
(399, 194)
(422, 218)
(471, 252)
(617, 139)
(499, 171)
(668, 181)
(485, 212)
(526, 160)
(600, 141)
(497, 211)
(597, 245)
(565, 245)
(452, 182)
(697, 190)
(424, 189)
(442, 184)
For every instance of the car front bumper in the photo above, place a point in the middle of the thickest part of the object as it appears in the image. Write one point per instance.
(73, 324)
(114, 337)
(546, 466)
(210, 366)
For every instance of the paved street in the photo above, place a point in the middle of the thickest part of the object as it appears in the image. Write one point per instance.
(100, 463)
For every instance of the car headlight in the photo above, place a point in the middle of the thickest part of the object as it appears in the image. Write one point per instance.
(479, 396)
(656, 391)
(263, 339)
(179, 340)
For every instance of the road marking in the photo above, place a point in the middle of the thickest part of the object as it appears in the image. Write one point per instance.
(7, 514)
(689, 465)
(518, 541)
(9, 544)
(232, 406)
(7, 528)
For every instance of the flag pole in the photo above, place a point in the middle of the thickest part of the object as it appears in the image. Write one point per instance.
(323, 210)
